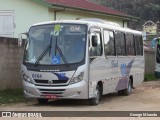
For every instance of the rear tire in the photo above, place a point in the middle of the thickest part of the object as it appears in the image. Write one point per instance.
(120, 92)
(128, 90)
(42, 101)
(95, 100)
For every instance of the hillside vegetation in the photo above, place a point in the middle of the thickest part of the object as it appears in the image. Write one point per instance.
(144, 9)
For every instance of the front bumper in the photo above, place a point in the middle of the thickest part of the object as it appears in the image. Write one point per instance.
(74, 91)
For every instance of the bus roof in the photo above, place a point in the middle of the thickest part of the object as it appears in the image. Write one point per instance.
(99, 23)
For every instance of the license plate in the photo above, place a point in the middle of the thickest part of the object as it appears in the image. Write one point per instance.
(51, 97)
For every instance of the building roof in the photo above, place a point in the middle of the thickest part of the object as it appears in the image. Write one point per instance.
(149, 23)
(86, 5)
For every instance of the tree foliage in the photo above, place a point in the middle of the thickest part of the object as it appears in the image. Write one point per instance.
(144, 9)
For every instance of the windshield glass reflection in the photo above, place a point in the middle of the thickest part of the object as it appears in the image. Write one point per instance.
(56, 44)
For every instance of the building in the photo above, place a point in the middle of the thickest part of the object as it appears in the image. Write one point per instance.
(158, 28)
(150, 28)
(16, 16)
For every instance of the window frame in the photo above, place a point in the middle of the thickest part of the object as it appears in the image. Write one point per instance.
(9, 32)
(99, 31)
(116, 42)
(108, 41)
(127, 33)
(142, 52)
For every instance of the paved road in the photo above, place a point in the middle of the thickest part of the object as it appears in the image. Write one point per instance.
(145, 97)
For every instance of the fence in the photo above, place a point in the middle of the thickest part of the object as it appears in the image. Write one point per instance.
(10, 60)
(149, 61)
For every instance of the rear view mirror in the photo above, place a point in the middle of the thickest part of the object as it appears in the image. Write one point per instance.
(94, 41)
(20, 38)
(19, 41)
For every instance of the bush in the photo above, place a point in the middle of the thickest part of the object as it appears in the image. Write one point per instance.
(150, 77)
(11, 96)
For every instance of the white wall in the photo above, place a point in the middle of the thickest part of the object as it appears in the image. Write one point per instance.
(26, 13)
(79, 14)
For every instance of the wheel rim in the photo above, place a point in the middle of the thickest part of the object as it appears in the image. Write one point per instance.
(129, 87)
(97, 95)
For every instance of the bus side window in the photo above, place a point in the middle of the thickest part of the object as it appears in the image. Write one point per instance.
(109, 43)
(95, 50)
(130, 44)
(138, 44)
(120, 43)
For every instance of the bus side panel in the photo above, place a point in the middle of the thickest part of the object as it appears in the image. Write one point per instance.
(138, 75)
(114, 72)
(131, 67)
(97, 72)
(121, 68)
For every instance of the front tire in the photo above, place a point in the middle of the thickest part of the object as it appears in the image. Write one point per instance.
(42, 101)
(95, 100)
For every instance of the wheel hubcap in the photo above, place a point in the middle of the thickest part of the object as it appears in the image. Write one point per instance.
(129, 87)
(97, 96)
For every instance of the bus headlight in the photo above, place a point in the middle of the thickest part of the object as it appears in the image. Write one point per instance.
(77, 78)
(26, 78)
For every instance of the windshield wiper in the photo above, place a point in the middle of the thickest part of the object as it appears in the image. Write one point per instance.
(61, 54)
(48, 48)
(43, 54)
(63, 57)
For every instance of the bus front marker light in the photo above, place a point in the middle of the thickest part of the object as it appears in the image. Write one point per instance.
(25, 91)
(77, 79)
(82, 73)
(27, 79)
(80, 77)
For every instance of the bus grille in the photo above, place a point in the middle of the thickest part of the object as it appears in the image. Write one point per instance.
(51, 91)
(47, 81)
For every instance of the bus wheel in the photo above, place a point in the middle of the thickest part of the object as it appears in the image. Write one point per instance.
(95, 100)
(42, 101)
(128, 90)
(120, 92)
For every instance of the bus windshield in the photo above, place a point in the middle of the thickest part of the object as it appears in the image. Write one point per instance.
(56, 44)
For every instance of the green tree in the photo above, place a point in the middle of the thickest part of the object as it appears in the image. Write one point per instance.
(144, 9)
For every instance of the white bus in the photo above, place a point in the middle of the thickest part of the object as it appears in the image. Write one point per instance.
(81, 59)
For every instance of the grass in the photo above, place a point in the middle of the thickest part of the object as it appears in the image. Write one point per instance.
(150, 77)
(11, 96)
